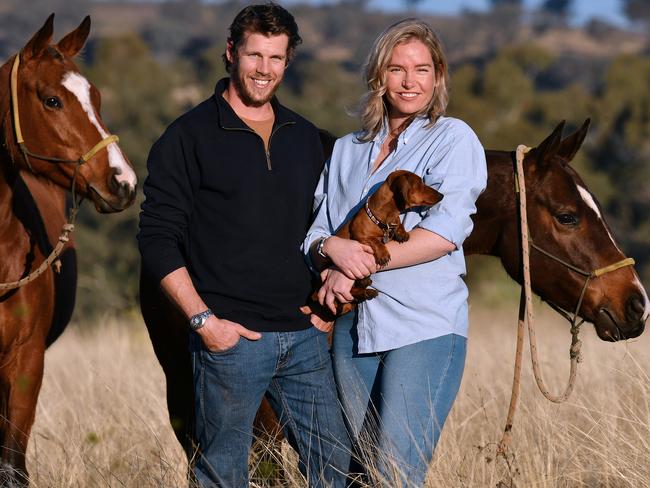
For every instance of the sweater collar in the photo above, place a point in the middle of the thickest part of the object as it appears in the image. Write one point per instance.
(228, 119)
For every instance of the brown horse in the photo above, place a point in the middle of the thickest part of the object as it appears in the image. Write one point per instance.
(55, 110)
(564, 219)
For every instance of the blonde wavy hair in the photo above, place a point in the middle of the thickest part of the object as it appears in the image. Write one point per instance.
(372, 109)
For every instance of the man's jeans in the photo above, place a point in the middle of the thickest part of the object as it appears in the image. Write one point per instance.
(294, 369)
(396, 402)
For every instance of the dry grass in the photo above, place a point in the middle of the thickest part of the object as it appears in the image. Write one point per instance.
(101, 418)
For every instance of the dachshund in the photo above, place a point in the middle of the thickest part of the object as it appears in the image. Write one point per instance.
(376, 223)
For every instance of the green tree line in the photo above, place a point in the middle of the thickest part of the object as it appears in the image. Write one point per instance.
(513, 91)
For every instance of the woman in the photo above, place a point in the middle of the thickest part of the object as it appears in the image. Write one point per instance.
(399, 360)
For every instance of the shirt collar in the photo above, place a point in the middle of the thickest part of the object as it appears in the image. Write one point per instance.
(404, 137)
(228, 119)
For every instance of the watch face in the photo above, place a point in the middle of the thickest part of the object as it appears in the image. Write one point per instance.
(197, 321)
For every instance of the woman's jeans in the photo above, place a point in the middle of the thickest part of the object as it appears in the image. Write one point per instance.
(396, 402)
(294, 370)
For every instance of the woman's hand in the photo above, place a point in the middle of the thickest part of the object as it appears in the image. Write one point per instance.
(353, 259)
(336, 286)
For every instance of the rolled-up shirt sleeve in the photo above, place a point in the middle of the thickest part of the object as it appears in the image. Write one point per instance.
(459, 172)
(166, 211)
(320, 227)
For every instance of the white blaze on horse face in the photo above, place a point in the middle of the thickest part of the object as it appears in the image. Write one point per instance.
(589, 200)
(80, 88)
(591, 203)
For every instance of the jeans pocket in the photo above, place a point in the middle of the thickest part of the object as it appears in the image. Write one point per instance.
(321, 331)
(225, 352)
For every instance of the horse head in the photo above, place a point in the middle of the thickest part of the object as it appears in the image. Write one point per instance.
(58, 111)
(571, 240)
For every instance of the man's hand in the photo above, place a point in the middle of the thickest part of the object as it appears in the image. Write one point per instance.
(219, 335)
(336, 286)
(354, 259)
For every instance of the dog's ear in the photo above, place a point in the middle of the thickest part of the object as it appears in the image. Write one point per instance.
(400, 186)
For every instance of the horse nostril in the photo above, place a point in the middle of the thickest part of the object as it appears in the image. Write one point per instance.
(120, 189)
(635, 307)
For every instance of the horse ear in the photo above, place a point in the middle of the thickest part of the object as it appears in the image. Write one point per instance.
(40, 40)
(72, 43)
(570, 145)
(549, 146)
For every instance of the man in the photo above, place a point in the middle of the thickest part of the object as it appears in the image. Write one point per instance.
(228, 203)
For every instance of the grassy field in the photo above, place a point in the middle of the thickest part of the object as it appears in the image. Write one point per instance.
(101, 418)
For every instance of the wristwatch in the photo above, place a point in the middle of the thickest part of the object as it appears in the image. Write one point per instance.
(197, 321)
(319, 247)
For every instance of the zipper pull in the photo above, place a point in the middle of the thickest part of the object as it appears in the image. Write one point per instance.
(268, 160)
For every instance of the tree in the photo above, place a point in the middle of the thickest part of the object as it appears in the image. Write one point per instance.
(412, 4)
(140, 98)
(507, 14)
(20, 19)
(506, 3)
(557, 7)
(638, 11)
(551, 14)
(623, 151)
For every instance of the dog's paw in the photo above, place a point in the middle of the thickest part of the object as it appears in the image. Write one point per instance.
(364, 282)
(382, 260)
(371, 293)
(399, 237)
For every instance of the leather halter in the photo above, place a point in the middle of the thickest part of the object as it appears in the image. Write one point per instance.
(387, 228)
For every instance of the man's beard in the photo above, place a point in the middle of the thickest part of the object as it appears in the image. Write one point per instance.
(244, 93)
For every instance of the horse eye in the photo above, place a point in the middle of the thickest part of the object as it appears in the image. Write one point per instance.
(567, 219)
(53, 102)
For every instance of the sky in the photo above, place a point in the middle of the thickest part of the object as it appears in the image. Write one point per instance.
(583, 10)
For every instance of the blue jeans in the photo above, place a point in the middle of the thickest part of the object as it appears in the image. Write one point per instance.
(396, 402)
(294, 370)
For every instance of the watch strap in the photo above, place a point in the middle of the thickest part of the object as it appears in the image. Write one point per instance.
(319, 247)
(198, 320)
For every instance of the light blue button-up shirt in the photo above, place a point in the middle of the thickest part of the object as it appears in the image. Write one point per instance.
(427, 300)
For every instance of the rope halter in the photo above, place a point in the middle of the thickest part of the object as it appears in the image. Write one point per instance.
(68, 227)
(527, 243)
(19, 133)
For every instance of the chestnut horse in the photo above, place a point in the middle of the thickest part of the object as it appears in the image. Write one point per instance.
(564, 218)
(53, 141)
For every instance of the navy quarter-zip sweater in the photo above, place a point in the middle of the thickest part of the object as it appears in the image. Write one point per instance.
(217, 203)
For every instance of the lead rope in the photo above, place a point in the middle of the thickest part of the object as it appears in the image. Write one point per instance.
(64, 237)
(526, 314)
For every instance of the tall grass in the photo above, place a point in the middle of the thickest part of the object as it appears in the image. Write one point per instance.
(101, 418)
